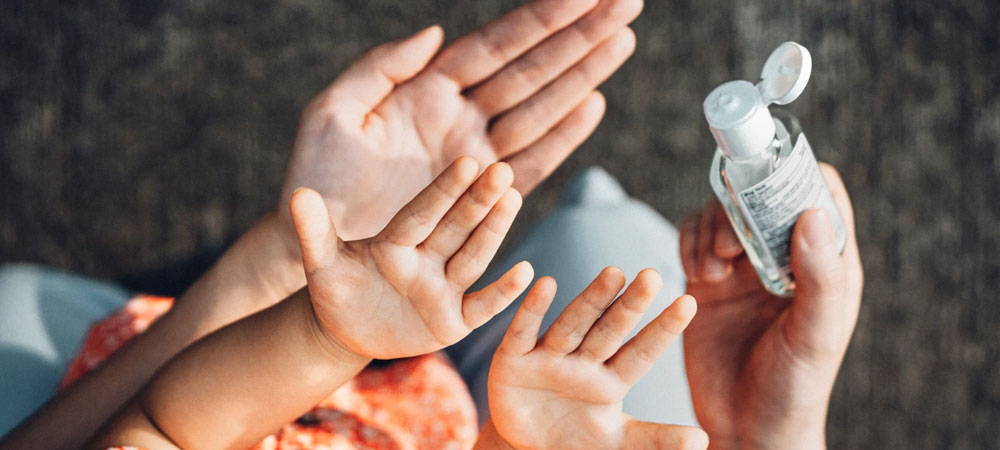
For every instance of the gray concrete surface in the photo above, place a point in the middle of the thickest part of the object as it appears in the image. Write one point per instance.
(137, 134)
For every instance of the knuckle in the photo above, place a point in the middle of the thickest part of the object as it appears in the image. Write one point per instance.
(533, 71)
(521, 333)
(550, 22)
(626, 8)
(588, 353)
(672, 325)
(568, 332)
(644, 356)
(482, 194)
(633, 307)
(831, 278)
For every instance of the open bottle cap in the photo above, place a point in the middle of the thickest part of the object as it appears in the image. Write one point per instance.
(785, 74)
(737, 111)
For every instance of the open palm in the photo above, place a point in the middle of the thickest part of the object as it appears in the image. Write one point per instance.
(520, 90)
(566, 391)
(402, 292)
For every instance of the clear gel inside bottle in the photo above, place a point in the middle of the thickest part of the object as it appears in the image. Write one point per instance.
(764, 172)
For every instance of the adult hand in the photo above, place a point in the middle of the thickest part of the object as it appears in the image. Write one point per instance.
(520, 89)
(761, 367)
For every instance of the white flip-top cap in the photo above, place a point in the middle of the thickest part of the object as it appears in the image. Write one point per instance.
(737, 111)
(785, 74)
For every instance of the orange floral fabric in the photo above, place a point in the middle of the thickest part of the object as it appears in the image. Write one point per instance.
(417, 403)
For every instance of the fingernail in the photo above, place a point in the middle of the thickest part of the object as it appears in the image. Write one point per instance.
(818, 230)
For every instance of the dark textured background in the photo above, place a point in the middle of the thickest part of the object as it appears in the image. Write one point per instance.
(138, 134)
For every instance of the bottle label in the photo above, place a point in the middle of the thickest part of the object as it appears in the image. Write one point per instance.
(774, 204)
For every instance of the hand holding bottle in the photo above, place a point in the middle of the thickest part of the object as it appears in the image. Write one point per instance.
(762, 367)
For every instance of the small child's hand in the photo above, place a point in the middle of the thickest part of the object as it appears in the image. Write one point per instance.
(566, 391)
(402, 292)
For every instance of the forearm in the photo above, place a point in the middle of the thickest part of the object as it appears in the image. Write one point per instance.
(261, 268)
(242, 382)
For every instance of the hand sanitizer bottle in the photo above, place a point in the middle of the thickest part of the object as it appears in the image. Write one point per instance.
(764, 171)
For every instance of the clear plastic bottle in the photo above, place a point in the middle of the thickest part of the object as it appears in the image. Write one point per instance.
(764, 171)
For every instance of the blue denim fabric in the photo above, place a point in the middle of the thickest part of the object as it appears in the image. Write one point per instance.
(44, 315)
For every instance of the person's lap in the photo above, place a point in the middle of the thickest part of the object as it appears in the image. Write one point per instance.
(44, 314)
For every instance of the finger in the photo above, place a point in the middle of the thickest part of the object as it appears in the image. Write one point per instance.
(817, 321)
(604, 339)
(572, 325)
(689, 246)
(639, 354)
(369, 80)
(534, 117)
(420, 216)
(727, 245)
(841, 199)
(855, 274)
(471, 260)
(536, 163)
(544, 63)
(710, 267)
(522, 334)
(476, 56)
(469, 211)
(314, 228)
(480, 306)
(656, 435)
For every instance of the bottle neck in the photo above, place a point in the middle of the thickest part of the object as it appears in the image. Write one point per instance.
(767, 155)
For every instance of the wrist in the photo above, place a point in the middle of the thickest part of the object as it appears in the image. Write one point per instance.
(804, 436)
(275, 255)
(324, 344)
(809, 438)
(490, 439)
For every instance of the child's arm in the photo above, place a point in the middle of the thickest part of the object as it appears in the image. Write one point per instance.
(565, 391)
(398, 294)
(239, 384)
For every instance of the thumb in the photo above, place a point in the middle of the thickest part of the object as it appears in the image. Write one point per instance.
(818, 309)
(314, 227)
(642, 435)
(364, 84)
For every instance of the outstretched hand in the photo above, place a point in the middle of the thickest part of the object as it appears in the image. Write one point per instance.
(761, 367)
(565, 391)
(520, 89)
(402, 293)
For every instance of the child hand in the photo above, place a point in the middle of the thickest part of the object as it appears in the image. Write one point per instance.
(402, 292)
(566, 390)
